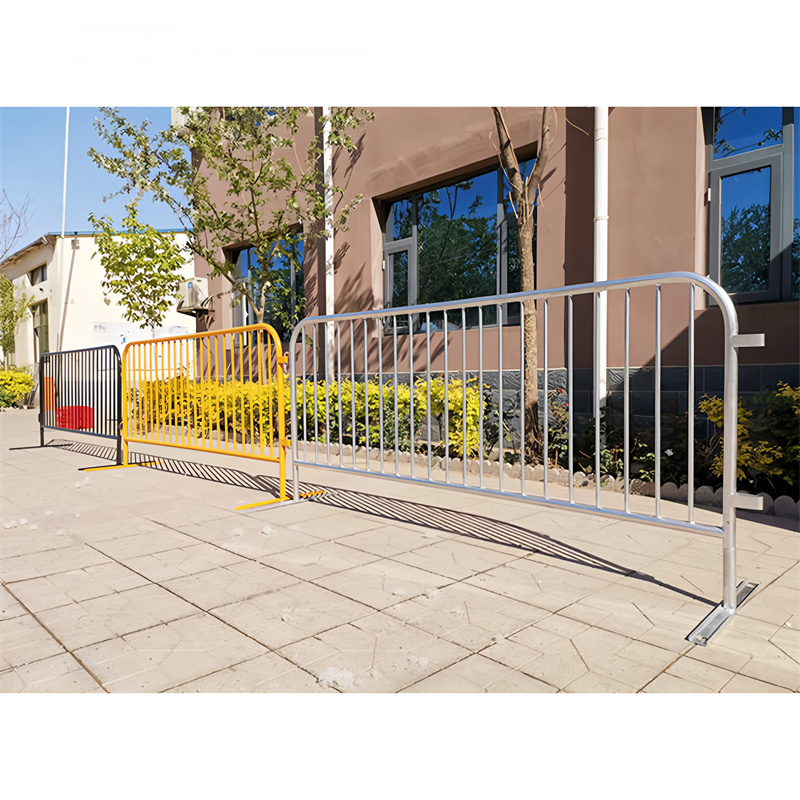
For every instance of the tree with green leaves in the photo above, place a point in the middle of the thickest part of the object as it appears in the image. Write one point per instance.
(13, 310)
(142, 267)
(524, 196)
(274, 189)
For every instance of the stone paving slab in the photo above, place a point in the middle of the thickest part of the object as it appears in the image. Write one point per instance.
(145, 580)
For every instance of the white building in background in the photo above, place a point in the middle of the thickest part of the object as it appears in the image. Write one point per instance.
(70, 310)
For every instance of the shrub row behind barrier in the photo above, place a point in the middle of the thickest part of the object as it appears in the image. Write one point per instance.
(243, 409)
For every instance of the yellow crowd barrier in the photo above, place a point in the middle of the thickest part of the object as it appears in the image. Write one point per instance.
(216, 392)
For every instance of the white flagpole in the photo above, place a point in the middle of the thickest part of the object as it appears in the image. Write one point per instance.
(64, 196)
(59, 255)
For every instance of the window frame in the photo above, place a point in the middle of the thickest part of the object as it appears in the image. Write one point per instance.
(38, 275)
(779, 159)
(36, 309)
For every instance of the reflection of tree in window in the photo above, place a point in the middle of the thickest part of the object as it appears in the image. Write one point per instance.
(402, 219)
(457, 249)
(745, 248)
(745, 254)
(400, 272)
(285, 304)
(742, 130)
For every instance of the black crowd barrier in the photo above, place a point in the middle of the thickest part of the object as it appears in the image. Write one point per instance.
(81, 390)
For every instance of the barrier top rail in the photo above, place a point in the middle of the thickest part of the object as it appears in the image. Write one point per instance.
(714, 289)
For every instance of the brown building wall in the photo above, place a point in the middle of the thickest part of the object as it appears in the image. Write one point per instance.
(657, 222)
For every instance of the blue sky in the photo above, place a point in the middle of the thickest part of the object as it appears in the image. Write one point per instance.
(32, 165)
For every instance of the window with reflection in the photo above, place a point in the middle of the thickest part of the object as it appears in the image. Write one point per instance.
(284, 296)
(452, 242)
(753, 203)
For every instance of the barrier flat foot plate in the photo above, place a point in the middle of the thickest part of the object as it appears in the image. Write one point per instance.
(720, 615)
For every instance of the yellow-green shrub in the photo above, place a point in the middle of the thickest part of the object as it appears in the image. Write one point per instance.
(14, 385)
(768, 435)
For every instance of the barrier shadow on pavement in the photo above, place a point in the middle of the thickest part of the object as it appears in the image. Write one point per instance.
(468, 525)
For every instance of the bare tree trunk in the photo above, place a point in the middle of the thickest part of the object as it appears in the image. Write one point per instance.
(533, 439)
(523, 197)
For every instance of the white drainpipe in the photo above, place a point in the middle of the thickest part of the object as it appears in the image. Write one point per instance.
(330, 305)
(601, 246)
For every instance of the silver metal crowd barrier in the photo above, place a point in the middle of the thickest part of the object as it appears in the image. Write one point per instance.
(395, 357)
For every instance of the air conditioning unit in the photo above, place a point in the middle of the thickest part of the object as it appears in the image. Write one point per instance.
(193, 296)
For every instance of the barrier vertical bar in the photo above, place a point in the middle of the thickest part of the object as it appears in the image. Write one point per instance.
(464, 393)
(729, 466)
(163, 387)
(41, 400)
(255, 397)
(690, 433)
(596, 397)
(546, 408)
(171, 388)
(366, 394)
(119, 405)
(280, 421)
(413, 436)
(658, 402)
(353, 392)
(316, 398)
(570, 403)
(305, 397)
(446, 403)
(227, 398)
(260, 372)
(125, 406)
(268, 347)
(293, 399)
(627, 403)
(244, 390)
(480, 389)
(339, 390)
(152, 393)
(428, 376)
(380, 388)
(522, 441)
(131, 402)
(501, 458)
(396, 410)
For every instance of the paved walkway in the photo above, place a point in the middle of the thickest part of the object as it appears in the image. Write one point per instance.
(145, 580)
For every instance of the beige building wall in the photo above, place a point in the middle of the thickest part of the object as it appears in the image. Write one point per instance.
(79, 314)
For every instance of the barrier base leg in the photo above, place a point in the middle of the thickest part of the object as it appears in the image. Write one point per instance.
(720, 615)
(304, 496)
(117, 466)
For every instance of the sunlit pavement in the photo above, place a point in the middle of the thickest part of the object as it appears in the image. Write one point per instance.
(147, 580)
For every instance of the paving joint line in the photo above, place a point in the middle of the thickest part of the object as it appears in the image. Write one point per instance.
(228, 624)
(56, 639)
